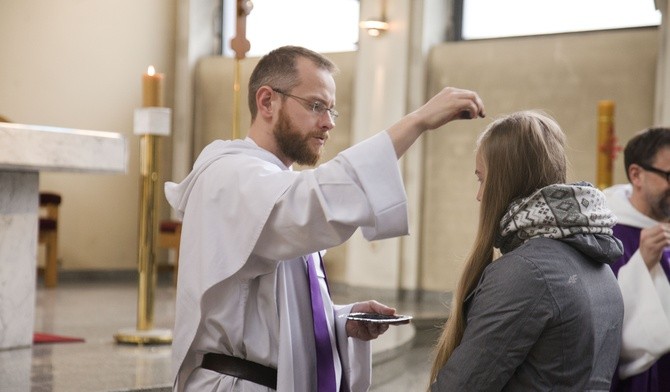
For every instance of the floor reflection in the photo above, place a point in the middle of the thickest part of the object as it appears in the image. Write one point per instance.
(95, 311)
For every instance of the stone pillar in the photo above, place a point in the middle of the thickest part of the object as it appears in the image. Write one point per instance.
(18, 257)
(390, 81)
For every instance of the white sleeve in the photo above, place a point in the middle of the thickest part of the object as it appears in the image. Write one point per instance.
(322, 208)
(646, 325)
(355, 354)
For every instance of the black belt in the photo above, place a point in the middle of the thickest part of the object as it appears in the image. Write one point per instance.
(241, 368)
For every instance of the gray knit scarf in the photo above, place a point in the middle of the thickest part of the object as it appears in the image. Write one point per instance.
(555, 211)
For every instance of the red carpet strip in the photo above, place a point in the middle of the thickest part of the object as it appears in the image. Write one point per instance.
(41, 338)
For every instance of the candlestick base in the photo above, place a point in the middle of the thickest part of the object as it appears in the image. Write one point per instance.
(151, 336)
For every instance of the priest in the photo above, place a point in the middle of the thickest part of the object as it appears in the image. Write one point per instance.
(643, 272)
(253, 309)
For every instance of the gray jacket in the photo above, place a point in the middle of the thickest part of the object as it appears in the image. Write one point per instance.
(544, 317)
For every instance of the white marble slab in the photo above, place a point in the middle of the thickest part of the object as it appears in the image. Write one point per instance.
(25, 150)
(43, 148)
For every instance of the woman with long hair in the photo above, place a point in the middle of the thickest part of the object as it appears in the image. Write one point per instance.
(537, 307)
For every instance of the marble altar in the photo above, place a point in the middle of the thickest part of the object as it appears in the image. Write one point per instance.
(25, 151)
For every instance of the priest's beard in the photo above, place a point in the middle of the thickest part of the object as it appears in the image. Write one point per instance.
(293, 144)
(660, 206)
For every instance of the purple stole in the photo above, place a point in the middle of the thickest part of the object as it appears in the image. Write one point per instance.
(325, 367)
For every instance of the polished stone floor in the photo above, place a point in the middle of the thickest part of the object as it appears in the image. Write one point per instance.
(95, 311)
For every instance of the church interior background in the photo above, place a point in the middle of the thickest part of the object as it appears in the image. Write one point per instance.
(75, 76)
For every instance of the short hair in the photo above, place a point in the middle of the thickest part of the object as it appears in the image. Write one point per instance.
(644, 146)
(277, 69)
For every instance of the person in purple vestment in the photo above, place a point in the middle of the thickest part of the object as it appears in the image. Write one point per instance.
(643, 210)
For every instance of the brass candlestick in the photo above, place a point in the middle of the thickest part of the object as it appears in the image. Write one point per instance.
(150, 122)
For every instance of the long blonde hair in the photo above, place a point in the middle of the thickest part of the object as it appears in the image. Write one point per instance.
(527, 152)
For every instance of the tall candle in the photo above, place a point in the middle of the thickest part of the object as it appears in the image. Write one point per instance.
(606, 143)
(152, 88)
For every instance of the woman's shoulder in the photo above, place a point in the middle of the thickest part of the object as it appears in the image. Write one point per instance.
(517, 268)
(532, 260)
(537, 250)
(530, 251)
(514, 278)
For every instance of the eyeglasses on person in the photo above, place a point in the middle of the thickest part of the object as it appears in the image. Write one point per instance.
(652, 169)
(315, 106)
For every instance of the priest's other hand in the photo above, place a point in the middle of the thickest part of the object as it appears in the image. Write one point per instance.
(652, 242)
(366, 330)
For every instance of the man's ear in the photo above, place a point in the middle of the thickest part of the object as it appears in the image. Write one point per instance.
(264, 99)
(634, 172)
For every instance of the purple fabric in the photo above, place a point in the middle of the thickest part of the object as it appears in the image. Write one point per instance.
(654, 379)
(630, 239)
(324, 351)
(657, 377)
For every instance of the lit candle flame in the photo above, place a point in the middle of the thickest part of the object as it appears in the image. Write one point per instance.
(151, 71)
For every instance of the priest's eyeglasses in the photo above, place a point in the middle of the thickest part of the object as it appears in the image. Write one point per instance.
(660, 172)
(315, 106)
